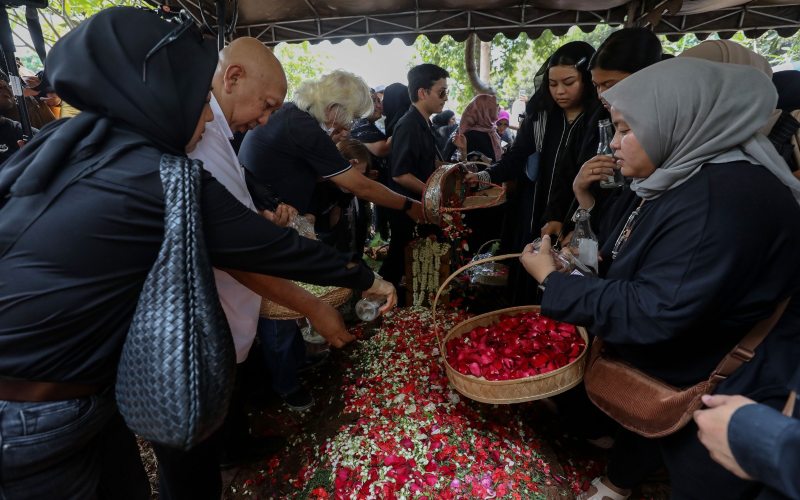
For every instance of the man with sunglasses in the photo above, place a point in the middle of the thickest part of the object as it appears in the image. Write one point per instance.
(414, 155)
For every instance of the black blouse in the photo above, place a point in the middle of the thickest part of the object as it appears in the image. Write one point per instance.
(69, 285)
(704, 262)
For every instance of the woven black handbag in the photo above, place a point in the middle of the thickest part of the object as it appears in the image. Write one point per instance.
(177, 368)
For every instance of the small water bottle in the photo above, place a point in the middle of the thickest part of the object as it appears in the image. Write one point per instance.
(583, 244)
(302, 226)
(367, 309)
(604, 148)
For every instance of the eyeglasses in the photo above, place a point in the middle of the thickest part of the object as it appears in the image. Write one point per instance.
(627, 229)
(185, 23)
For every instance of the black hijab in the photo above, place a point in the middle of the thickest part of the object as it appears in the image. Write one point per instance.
(98, 68)
(395, 104)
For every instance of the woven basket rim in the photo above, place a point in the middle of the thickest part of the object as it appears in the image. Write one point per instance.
(499, 383)
(272, 310)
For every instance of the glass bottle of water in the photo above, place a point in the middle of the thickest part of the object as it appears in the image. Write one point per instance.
(367, 309)
(583, 244)
(604, 148)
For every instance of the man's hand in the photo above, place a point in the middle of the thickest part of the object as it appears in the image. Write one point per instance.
(281, 216)
(384, 289)
(327, 321)
(712, 425)
(415, 212)
(541, 264)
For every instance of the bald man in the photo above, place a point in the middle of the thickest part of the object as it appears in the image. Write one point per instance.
(248, 85)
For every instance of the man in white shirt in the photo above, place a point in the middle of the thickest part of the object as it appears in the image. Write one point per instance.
(248, 85)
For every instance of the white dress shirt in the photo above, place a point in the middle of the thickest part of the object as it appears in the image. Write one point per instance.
(240, 304)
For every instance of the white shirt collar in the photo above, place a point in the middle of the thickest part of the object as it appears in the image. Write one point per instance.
(219, 117)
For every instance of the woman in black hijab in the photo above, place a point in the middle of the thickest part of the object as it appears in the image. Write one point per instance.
(396, 102)
(81, 223)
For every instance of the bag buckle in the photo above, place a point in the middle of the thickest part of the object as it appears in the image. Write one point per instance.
(743, 354)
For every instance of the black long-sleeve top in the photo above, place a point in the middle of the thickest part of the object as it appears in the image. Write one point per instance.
(69, 285)
(704, 262)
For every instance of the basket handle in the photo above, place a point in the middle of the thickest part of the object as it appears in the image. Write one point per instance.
(447, 282)
(478, 252)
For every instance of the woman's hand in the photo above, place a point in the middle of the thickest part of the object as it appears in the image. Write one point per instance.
(472, 179)
(552, 227)
(538, 264)
(382, 288)
(712, 429)
(460, 142)
(594, 170)
(327, 321)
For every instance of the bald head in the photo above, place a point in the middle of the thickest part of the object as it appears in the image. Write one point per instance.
(249, 83)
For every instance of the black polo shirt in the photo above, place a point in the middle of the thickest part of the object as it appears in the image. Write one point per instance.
(413, 149)
(289, 154)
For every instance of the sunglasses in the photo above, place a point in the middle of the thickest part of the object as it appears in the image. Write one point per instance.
(443, 92)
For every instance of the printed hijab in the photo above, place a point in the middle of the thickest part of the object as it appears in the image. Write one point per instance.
(686, 112)
(726, 51)
(480, 115)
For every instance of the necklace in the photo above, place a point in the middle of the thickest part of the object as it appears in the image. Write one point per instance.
(627, 229)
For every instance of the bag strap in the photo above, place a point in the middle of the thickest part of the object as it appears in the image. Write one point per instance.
(745, 349)
(35, 30)
(788, 410)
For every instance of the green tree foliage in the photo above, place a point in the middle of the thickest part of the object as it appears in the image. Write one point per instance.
(514, 61)
(777, 50)
(60, 17)
(299, 64)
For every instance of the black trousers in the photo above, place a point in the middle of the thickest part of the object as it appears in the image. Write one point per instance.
(195, 474)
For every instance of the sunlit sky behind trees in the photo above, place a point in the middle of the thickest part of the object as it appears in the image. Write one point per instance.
(514, 61)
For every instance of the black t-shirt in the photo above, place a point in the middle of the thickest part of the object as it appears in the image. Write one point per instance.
(289, 154)
(70, 283)
(10, 133)
(413, 149)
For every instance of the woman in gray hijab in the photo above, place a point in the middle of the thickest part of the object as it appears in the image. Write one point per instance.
(709, 252)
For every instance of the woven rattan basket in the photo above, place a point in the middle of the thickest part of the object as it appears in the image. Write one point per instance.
(446, 191)
(506, 391)
(273, 310)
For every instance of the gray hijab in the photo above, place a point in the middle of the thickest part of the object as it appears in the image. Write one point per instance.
(686, 112)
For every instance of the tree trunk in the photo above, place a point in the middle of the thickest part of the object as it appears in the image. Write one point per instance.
(486, 61)
(471, 62)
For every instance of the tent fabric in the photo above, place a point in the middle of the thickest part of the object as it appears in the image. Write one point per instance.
(274, 21)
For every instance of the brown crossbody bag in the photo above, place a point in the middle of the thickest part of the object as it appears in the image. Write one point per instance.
(651, 407)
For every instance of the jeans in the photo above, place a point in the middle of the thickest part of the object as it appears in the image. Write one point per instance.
(72, 449)
(284, 352)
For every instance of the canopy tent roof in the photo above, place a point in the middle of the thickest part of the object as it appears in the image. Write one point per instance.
(274, 21)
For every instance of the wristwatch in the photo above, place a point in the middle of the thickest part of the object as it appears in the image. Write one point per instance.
(407, 204)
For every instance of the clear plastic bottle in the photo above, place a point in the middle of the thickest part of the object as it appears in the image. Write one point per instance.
(367, 309)
(583, 244)
(606, 133)
(302, 226)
